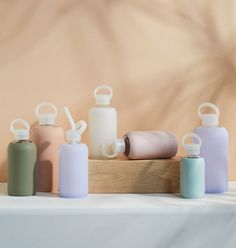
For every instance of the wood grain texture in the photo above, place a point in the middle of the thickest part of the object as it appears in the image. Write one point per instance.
(134, 176)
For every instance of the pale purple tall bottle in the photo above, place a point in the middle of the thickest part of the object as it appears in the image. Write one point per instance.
(73, 162)
(214, 150)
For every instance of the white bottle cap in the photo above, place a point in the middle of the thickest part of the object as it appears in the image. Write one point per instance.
(74, 134)
(103, 99)
(209, 120)
(20, 134)
(112, 148)
(192, 148)
(46, 118)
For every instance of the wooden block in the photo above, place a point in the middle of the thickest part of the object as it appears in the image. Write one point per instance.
(134, 176)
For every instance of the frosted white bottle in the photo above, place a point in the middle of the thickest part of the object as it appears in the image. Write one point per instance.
(102, 122)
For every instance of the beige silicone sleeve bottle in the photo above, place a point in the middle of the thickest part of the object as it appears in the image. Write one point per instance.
(48, 137)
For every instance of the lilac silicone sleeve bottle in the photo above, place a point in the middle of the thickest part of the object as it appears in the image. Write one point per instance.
(73, 162)
(214, 150)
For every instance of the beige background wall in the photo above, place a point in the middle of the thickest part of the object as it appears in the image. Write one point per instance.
(162, 58)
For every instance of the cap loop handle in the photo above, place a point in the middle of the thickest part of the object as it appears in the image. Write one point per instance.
(191, 135)
(20, 121)
(105, 87)
(105, 147)
(210, 105)
(43, 104)
(20, 133)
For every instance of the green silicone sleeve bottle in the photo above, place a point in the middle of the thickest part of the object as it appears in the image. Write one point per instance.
(21, 162)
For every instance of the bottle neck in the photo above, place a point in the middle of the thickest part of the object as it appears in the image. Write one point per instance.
(208, 126)
(73, 142)
(46, 125)
(103, 106)
(192, 156)
(22, 141)
(127, 146)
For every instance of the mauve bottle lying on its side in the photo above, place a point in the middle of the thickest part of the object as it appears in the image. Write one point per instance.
(142, 145)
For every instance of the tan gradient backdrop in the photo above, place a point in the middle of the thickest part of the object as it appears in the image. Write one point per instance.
(162, 58)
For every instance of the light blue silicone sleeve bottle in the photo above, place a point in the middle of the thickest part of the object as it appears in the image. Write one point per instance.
(192, 170)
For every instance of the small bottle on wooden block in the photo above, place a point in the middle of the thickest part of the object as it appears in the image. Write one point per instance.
(142, 145)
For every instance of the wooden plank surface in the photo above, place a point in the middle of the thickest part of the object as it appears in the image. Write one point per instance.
(134, 176)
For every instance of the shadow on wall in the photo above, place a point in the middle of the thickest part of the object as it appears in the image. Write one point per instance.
(213, 73)
(23, 26)
(210, 26)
